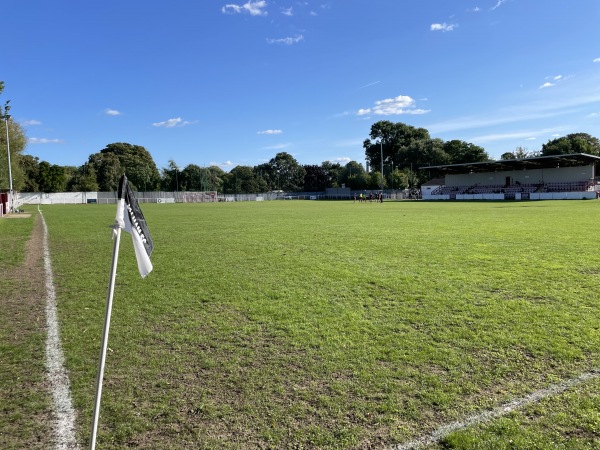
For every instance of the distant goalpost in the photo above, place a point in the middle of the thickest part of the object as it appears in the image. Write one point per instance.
(199, 197)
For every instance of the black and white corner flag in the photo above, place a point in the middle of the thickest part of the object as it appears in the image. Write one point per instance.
(131, 219)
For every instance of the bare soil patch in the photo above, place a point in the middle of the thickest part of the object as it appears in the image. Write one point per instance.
(25, 404)
(18, 216)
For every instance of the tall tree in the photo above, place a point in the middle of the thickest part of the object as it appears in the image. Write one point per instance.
(191, 178)
(244, 180)
(84, 179)
(108, 170)
(352, 175)
(134, 160)
(572, 143)
(461, 152)
(30, 167)
(315, 178)
(171, 177)
(283, 172)
(216, 178)
(333, 172)
(52, 177)
(397, 141)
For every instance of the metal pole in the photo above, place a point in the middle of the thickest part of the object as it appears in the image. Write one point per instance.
(109, 302)
(10, 183)
(381, 144)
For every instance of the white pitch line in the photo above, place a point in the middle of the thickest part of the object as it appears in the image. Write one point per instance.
(502, 410)
(64, 420)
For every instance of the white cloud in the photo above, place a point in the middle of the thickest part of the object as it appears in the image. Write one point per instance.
(443, 27)
(222, 164)
(370, 84)
(252, 8)
(500, 3)
(34, 140)
(32, 122)
(277, 147)
(403, 104)
(597, 60)
(526, 135)
(270, 132)
(287, 40)
(176, 122)
(547, 84)
(112, 112)
(343, 160)
(287, 11)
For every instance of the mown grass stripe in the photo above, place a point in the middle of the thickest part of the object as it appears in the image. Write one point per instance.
(64, 423)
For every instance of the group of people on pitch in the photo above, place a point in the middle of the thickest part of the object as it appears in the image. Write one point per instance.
(363, 197)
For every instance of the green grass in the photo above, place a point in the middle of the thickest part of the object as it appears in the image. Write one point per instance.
(330, 324)
(14, 234)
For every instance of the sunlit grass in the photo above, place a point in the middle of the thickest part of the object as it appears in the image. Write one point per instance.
(325, 324)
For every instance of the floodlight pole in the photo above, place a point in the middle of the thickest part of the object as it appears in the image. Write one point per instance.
(6, 116)
(381, 146)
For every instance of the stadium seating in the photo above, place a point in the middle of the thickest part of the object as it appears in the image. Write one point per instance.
(567, 186)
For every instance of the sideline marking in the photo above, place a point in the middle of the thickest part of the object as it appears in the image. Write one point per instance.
(499, 411)
(64, 421)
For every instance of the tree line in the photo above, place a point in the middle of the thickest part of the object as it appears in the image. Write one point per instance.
(397, 157)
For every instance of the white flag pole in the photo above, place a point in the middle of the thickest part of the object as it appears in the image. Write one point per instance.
(109, 301)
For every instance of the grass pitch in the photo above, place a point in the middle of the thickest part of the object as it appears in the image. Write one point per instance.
(303, 324)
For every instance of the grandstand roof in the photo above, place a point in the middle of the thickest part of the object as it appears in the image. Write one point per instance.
(540, 162)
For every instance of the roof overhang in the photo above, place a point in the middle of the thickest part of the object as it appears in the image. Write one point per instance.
(540, 162)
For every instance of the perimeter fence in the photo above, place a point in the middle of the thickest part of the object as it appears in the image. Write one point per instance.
(103, 198)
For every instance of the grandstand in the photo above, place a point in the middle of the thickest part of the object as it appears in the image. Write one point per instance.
(541, 178)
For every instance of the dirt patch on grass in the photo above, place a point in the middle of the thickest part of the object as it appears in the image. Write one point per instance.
(18, 216)
(25, 404)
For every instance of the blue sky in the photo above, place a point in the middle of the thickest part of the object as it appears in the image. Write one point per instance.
(234, 83)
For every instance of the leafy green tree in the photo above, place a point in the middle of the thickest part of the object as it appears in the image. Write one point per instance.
(84, 179)
(507, 156)
(216, 178)
(333, 172)
(374, 180)
(191, 178)
(283, 173)
(397, 141)
(108, 170)
(352, 175)
(133, 160)
(400, 179)
(171, 177)
(315, 178)
(412, 148)
(572, 143)
(52, 177)
(244, 180)
(461, 152)
(30, 167)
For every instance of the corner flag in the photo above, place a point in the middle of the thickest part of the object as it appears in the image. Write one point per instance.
(131, 219)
